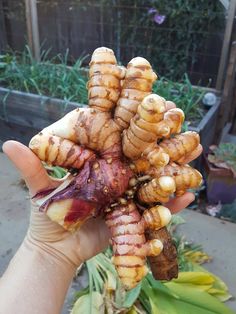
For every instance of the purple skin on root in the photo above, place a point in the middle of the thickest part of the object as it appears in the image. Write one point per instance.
(99, 183)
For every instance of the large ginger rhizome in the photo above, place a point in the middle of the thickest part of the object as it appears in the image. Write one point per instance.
(129, 157)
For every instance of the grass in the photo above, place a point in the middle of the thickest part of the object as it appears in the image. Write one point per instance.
(183, 94)
(52, 77)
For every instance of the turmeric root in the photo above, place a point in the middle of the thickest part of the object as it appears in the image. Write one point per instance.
(137, 84)
(58, 151)
(130, 247)
(105, 79)
(117, 168)
(157, 190)
(181, 145)
(165, 265)
(185, 177)
(148, 125)
(99, 183)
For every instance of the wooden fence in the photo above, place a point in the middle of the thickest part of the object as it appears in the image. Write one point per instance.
(59, 25)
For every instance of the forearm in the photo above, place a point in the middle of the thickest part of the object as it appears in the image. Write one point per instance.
(36, 281)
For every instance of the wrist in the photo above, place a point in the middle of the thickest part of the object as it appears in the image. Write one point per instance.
(37, 279)
(49, 252)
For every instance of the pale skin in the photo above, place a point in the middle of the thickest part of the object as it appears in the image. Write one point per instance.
(39, 275)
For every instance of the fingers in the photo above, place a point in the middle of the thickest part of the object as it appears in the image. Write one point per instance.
(29, 166)
(179, 203)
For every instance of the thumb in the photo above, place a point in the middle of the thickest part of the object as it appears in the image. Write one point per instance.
(29, 166)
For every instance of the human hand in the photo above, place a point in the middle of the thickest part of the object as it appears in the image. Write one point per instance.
(77, 247)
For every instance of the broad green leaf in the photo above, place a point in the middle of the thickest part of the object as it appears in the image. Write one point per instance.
(131, 296)
(89, 304)
(177, 220)
(199, 298)
(154, 307)
(221, 295)
(219, 288)
(81, 293)
(110, 283)
(162, 304)
(158, 285)
(196, 286)
(197, 278)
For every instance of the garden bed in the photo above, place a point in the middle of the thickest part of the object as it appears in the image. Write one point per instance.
(24, 111)
(206, 127)
(24, 114)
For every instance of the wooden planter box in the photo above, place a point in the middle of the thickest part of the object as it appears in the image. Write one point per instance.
(22, 115)
(221, 184)
(207, 126)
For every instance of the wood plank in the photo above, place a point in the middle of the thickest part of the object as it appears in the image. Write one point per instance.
(3, 37)
(207, 126)
(13, 131)
(233, 113)
(226, 44)
(32, 110)
(32, 27)
(227, 97)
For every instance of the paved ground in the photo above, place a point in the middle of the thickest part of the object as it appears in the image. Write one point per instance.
(218, 237)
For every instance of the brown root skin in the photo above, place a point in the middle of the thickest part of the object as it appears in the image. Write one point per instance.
(165, 265)
(140, 138)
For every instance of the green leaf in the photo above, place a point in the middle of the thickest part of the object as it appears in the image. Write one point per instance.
(81, 293)
(199, 299)
(131, 296)
(159, 286)
(197, 278)
(92, 303)
(177, 220)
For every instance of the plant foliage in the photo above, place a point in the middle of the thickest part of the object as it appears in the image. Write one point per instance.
(52, 77)
(172, 34)
(194, 291)
(224, 156)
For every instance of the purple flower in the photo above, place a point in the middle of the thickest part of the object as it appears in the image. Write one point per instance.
(159, 19)
(152, 10)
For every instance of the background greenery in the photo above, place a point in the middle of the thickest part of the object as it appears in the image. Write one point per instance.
(189, 39)
(181, 42)
(52, 77)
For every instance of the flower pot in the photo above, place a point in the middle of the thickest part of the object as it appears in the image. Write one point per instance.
(221, 184)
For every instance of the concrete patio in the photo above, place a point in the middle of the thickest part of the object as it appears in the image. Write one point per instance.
(217, 237)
